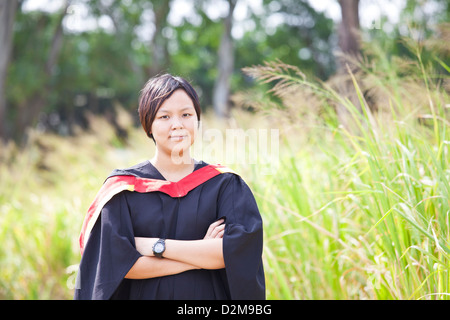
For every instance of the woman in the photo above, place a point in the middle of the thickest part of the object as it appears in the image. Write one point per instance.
(171, 227)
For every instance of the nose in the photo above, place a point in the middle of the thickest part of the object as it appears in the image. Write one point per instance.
(176, 123)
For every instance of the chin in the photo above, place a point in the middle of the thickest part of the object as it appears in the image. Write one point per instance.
(180, 148)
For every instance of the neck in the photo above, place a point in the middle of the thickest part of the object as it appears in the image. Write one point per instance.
(172, 164)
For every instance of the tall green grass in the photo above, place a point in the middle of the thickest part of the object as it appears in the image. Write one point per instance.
(360, 212)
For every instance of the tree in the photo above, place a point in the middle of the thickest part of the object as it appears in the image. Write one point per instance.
(124, 19)
(7, 15)
(349, 44)
(32, 106)
(349, 27)
(158, 44)
(304, 38)
(58, 73)
(225, 66)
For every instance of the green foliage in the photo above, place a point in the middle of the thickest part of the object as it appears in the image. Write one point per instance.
(103, 66)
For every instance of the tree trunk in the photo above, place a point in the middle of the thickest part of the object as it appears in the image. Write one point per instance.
(349, 27)
(221, 92)
(158, 44)
(349, 44)
(7, 15)
(33, 106)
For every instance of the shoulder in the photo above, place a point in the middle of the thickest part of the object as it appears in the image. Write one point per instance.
(142, 169)
(223, 169)
(225, 172)
(217, 171)
(231, 178)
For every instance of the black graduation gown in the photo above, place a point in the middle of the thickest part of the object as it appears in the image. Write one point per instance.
(110, 250)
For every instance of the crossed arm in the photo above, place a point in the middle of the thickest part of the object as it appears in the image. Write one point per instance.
(180, 255)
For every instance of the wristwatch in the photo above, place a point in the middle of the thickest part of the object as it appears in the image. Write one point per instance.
(159, 247)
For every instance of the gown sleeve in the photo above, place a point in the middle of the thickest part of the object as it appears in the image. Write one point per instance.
(109, 254)
(242, 241)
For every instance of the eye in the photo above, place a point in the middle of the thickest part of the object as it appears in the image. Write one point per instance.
(164, 117)
(187, 115)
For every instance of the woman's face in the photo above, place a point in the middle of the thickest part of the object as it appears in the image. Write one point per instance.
(175, 124)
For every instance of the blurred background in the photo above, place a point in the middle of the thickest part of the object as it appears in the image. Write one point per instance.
(359, 206)
(62, 59)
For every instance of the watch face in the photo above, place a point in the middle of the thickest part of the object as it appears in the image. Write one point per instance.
(159, 247)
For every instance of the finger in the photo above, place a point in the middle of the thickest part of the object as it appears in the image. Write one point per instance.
(220, 234)
(218, 222)
(217, 230)
(214, 225)
(210, 229)
(208, 232)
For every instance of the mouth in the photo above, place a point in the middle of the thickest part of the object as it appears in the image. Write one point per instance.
(178, 137)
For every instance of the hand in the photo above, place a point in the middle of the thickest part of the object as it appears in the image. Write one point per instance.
(145, 245)
(216, 230)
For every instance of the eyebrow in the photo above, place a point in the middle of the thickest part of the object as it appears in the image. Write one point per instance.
(166, 111)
